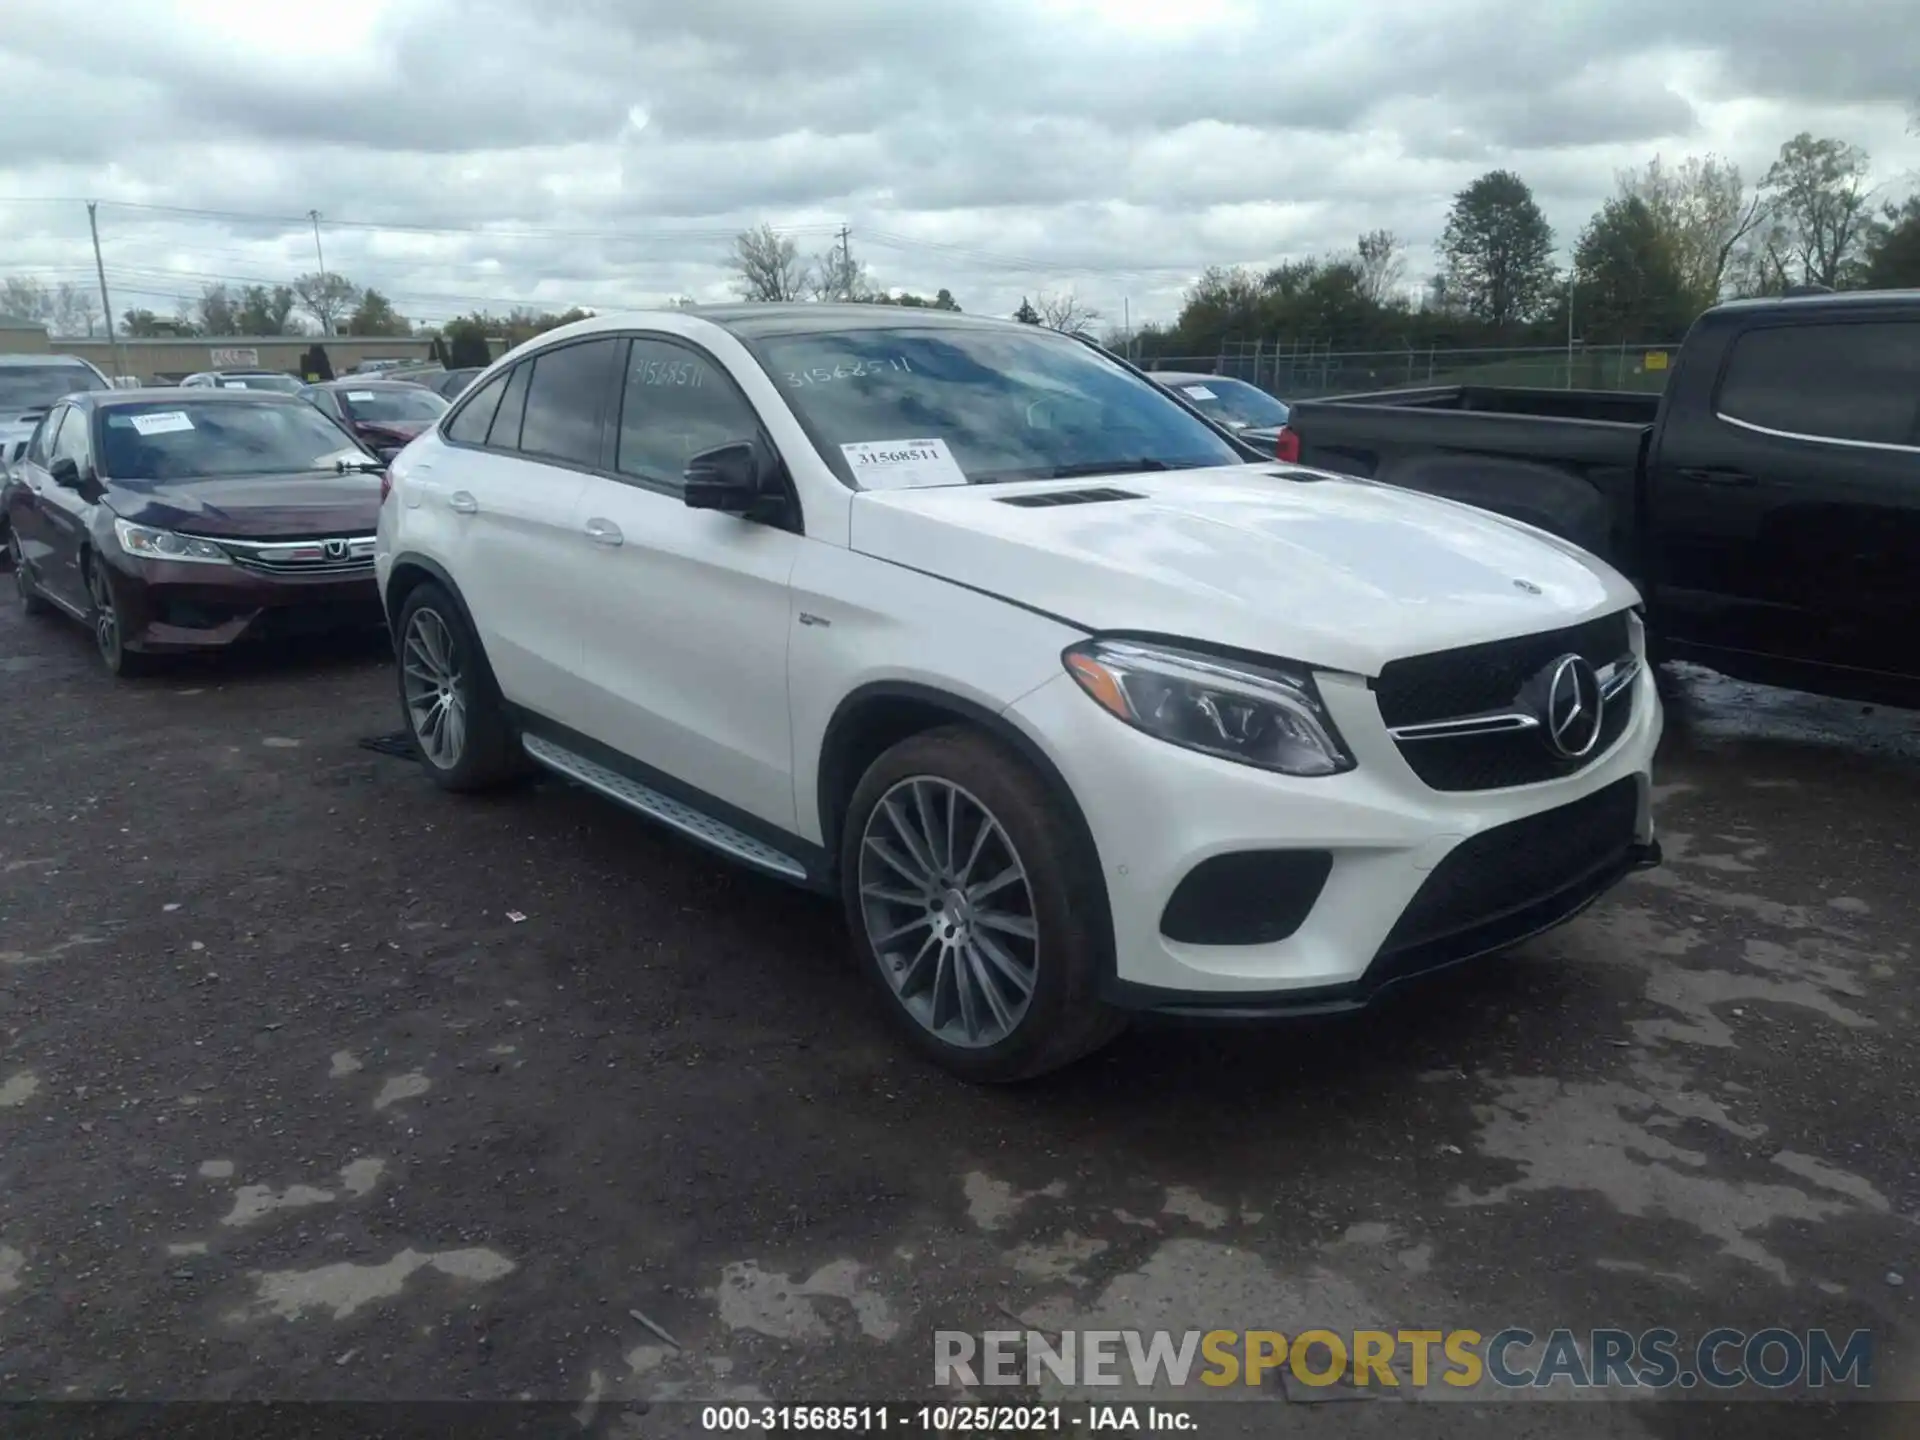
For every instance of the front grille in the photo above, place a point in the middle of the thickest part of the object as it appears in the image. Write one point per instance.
(304, 557)
(1514, 757)
(1475, 678)
(1498, 886)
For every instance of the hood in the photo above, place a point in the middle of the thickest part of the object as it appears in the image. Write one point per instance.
(1334, 572)
(253, 507)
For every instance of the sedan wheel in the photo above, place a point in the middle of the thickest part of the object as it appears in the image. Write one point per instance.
(31, 600)
(434, 686)
(949, 912)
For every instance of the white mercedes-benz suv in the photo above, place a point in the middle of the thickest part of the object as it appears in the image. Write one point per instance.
(1078, 709)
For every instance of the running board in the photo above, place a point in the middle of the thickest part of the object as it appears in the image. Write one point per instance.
(644, 799)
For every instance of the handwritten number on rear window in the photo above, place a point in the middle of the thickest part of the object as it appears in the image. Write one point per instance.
(684, 373)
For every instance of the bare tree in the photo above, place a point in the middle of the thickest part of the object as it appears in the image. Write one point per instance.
(217, 311)
(1817, 194)
(837, 275)
(1383, 266)
(1064, 312)
(1704, 212)
(25, 300)
(767, 265)
(76, 309)
(327, 297)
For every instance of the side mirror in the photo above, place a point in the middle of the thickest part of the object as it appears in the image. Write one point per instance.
(733, 478)
(66, 474)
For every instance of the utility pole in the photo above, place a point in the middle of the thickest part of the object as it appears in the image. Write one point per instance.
(326, 325)
(1570, 275)
(846, 263)
(1126, 322)
(100, 269)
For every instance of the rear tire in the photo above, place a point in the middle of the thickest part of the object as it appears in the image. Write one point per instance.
(969, 896)
(32, 602)
(452, 706)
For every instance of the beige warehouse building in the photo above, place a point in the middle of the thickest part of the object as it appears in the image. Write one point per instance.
(170, 357)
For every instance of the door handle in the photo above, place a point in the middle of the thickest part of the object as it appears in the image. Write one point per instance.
(604, 532)
(1717, 477)
(462, 503)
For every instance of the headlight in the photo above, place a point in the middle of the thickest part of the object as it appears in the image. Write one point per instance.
(147, 543)
(1267, 715)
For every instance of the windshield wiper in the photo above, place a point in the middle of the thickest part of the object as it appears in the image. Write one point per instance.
(1116, 467)
(365, 466)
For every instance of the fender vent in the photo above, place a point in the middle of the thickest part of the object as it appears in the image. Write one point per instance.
(1099, 496)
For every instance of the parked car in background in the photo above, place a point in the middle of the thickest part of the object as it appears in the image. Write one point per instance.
(245, 380)
(172, 520)
(1247, 410)
(1769, 503)
(30, 385)
(453, 382)
(1077, 711)
(378, 367)
(382, 414)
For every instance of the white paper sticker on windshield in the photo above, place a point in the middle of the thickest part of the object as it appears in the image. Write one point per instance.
(903, 464)
(233, 384)
(359, 394)
(1199, 392)
(161, 422)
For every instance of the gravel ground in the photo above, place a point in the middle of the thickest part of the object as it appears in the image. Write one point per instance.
(318, 1084)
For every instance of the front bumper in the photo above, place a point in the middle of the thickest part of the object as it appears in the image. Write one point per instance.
(172, 607)
(1406, 879)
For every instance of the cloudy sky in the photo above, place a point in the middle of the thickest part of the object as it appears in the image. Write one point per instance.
(468, 153)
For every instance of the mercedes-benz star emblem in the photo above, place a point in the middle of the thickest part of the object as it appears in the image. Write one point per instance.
(1573, 708)
(336, 549)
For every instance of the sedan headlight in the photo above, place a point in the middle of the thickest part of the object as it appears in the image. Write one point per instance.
(1269, 715)
(146, 543)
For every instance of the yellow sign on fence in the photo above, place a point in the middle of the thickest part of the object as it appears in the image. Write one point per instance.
(1656, 359)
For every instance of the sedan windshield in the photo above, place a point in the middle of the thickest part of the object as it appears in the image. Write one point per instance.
(1233, 403)
(413, 405)
(36, 387)
(186, 439)
(949, 405)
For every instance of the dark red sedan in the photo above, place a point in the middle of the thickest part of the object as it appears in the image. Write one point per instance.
(177, 520)
(383, 415)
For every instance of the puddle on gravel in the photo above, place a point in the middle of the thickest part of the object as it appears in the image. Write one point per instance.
(344, 1288)
(18, 1089)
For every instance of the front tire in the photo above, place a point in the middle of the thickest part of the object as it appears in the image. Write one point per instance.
(453, 708)
(32, 602)
(968, 893)
(109, 639)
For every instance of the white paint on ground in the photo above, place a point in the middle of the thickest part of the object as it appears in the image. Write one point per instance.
(1059, 1260)
(216, 1169)
(280, 742)
(12, 1262)
(504, 1050)
(772, 1304)
(1593, 1136)
(344, 1063)
(1190, 1205)
(1849, 905)
(187, 1247)
(18, 1089)
(344, 1288)
(1828, 1177)
(358, 1177)
(255, 1202)
(590, 1407)
(992, 1203)
(18, 958)
(402, 1087)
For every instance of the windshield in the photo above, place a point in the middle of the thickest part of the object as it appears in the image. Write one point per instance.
(187, 439)
(1233, 403)
(36, 387)
(415, 405)
(948, 405)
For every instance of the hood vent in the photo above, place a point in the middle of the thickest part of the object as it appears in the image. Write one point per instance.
(1098, 496)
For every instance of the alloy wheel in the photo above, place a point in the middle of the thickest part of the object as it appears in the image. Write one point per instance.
(949, 911)
(22, 581)
(106, 620)
(435, 695)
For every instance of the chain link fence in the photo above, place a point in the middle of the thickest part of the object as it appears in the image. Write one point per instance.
(1295, 371)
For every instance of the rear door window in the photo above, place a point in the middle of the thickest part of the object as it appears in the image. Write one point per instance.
(1858, 382)
(470, 426)
(567, 402)
(505, 431)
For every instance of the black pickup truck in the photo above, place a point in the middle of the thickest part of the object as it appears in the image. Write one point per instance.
(1767, 504)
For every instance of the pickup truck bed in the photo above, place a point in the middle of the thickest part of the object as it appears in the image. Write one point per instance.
(1767, 504)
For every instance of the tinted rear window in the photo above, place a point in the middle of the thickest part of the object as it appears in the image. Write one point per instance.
(1841, 382)
(567, 399)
